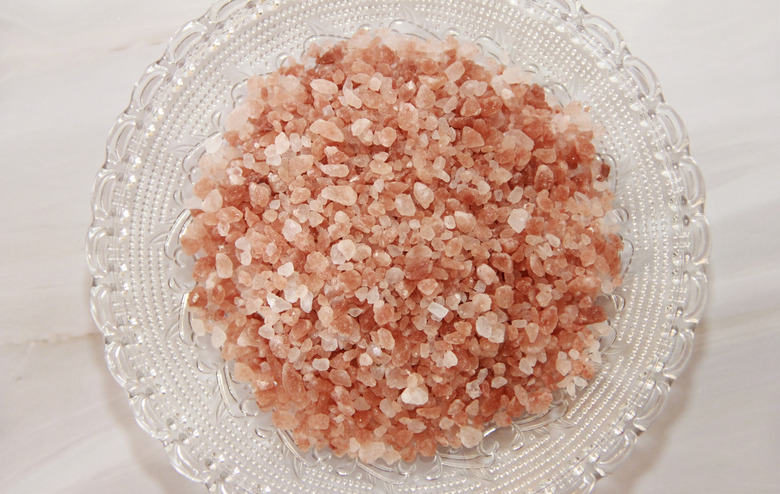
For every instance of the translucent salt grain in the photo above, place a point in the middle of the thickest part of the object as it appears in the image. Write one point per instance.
(498, 382)
(290, 230)
(324, 86)
(470, 436)
(347, 248)
(278, 304)
(282, 143)
(518, 219)
(484, 327)
(449, 359)
(224, 266)
(213, 202)
(455, 70)
(370, 452)
(438, 311)
(339, 171)
(487, 274)
(404, 205)
(327, 129)
(286, 269)
(415, 395)
(342, 194)
(423, 194)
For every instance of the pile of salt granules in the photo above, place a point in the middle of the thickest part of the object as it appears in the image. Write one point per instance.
(398, 246)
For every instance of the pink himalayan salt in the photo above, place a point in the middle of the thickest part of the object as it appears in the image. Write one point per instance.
(346, 269)
(327, 129)
(342, 194)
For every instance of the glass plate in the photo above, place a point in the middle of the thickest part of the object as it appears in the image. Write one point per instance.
(181, 391)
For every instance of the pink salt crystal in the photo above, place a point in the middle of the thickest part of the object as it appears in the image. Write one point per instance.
(408, 117)
(481, 302)
(518, 219)
(415, 395)
(449, 359)
(224, 266)
(455, 71)
(385, 338)
(498, 382)
(532, 330)
(327, 129)
(438, 311)
(365, 360)
(286, 269)
(339, 171)
(320, 364)
(387, 136)
(423, 194)
(471, 138)
(324, 86)
(360, 126)
(278, 304)
(212, 202)
(347, 248)
(504, 296)
(469, 436)
(371, 452)
(290, 230)
(465, 222)
(404, 205)
(487, 274)
(342, 194)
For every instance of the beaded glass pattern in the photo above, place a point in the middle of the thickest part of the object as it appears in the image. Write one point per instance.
(183, 394)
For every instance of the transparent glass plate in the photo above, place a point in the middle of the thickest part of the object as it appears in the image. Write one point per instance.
(182, 392)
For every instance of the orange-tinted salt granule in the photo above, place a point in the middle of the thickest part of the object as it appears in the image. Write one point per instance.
(398, 246)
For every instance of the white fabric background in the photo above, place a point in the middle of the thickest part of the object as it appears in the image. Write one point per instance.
(67, 68)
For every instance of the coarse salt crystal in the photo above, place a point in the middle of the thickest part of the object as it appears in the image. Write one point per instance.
(290, 230)
(278, 304)
(286, 269)
(342, 194)
(320, 364)
(324, 86)
(327, 129)
(347, 248)
(449, 359)
(518, 219)
(415, 395)
(404, 205)
(438, 311)
(470, 436)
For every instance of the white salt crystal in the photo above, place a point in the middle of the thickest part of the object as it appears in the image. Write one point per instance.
(469, 436)
(423, 194)
(278, 304)
(518, 219)
(371, 451)
(213, 143)
(342, 194)
(291, 229)
(282, 143)
(320, 364)
(306, 301)
(484, 328)
(498, 382)
(266, 331)
(438, 311)
(286, 269)
(415, 395)
(449, 359)
(347, 248)
(213, 202)
(404, 205)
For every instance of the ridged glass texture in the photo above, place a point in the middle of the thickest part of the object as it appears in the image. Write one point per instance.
(183, 394)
